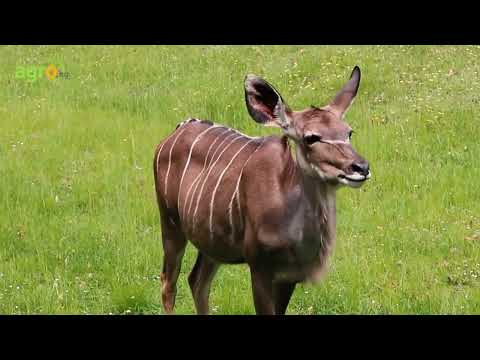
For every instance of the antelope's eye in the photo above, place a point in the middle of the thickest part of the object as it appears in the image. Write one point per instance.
(311, 139)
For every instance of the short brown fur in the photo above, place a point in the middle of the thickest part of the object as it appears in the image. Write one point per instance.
(248, 200)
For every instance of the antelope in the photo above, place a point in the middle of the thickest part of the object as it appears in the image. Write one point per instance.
(242, 199)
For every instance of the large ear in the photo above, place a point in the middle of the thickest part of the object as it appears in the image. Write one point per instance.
(265, 104)
(345, 97)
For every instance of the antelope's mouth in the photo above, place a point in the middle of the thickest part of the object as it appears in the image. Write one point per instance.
(355, 179)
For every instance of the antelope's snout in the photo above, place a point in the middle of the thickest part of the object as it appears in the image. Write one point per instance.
(355, 174)
(361, 167)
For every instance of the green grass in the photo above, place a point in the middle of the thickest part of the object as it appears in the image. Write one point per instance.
(79, 225)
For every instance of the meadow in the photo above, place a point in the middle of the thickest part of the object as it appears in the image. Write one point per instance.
(79, 224)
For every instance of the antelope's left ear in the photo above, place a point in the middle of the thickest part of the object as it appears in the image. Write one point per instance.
(345, 97)
(265, 104)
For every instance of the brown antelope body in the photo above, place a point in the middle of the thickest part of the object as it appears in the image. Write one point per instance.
(242, 199)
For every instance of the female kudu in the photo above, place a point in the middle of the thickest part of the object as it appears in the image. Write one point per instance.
(242, 199)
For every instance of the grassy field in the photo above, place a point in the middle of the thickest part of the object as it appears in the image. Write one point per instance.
(79, 224)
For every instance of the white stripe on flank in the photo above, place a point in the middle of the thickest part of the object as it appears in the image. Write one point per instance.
(249, 137)
(204, 179)
(211, 163)
(230, 210)
(169, 164)
(168, 137)
(218, 184)
(238, 204)
(196, 181)
(208, 174)
(197, 139)
(161, 147)
(236, 193)
(219, 147)
(212, 159)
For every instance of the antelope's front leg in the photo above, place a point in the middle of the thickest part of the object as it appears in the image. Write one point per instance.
(282, 293)
(262, 287)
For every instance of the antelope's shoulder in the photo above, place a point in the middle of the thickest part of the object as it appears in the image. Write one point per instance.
(272, 157)
(265, 174)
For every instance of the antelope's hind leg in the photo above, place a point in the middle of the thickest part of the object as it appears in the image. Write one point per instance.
(174, 243)
(200, 280)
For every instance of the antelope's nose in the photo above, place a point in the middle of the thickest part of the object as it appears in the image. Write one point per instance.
(361, 168)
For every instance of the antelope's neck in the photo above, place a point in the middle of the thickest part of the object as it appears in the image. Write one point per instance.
(317, 202)
(321, 200)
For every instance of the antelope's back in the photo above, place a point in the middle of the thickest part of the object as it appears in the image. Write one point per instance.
(198, 173)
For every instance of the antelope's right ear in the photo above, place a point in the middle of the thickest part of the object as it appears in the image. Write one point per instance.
(265, 104)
